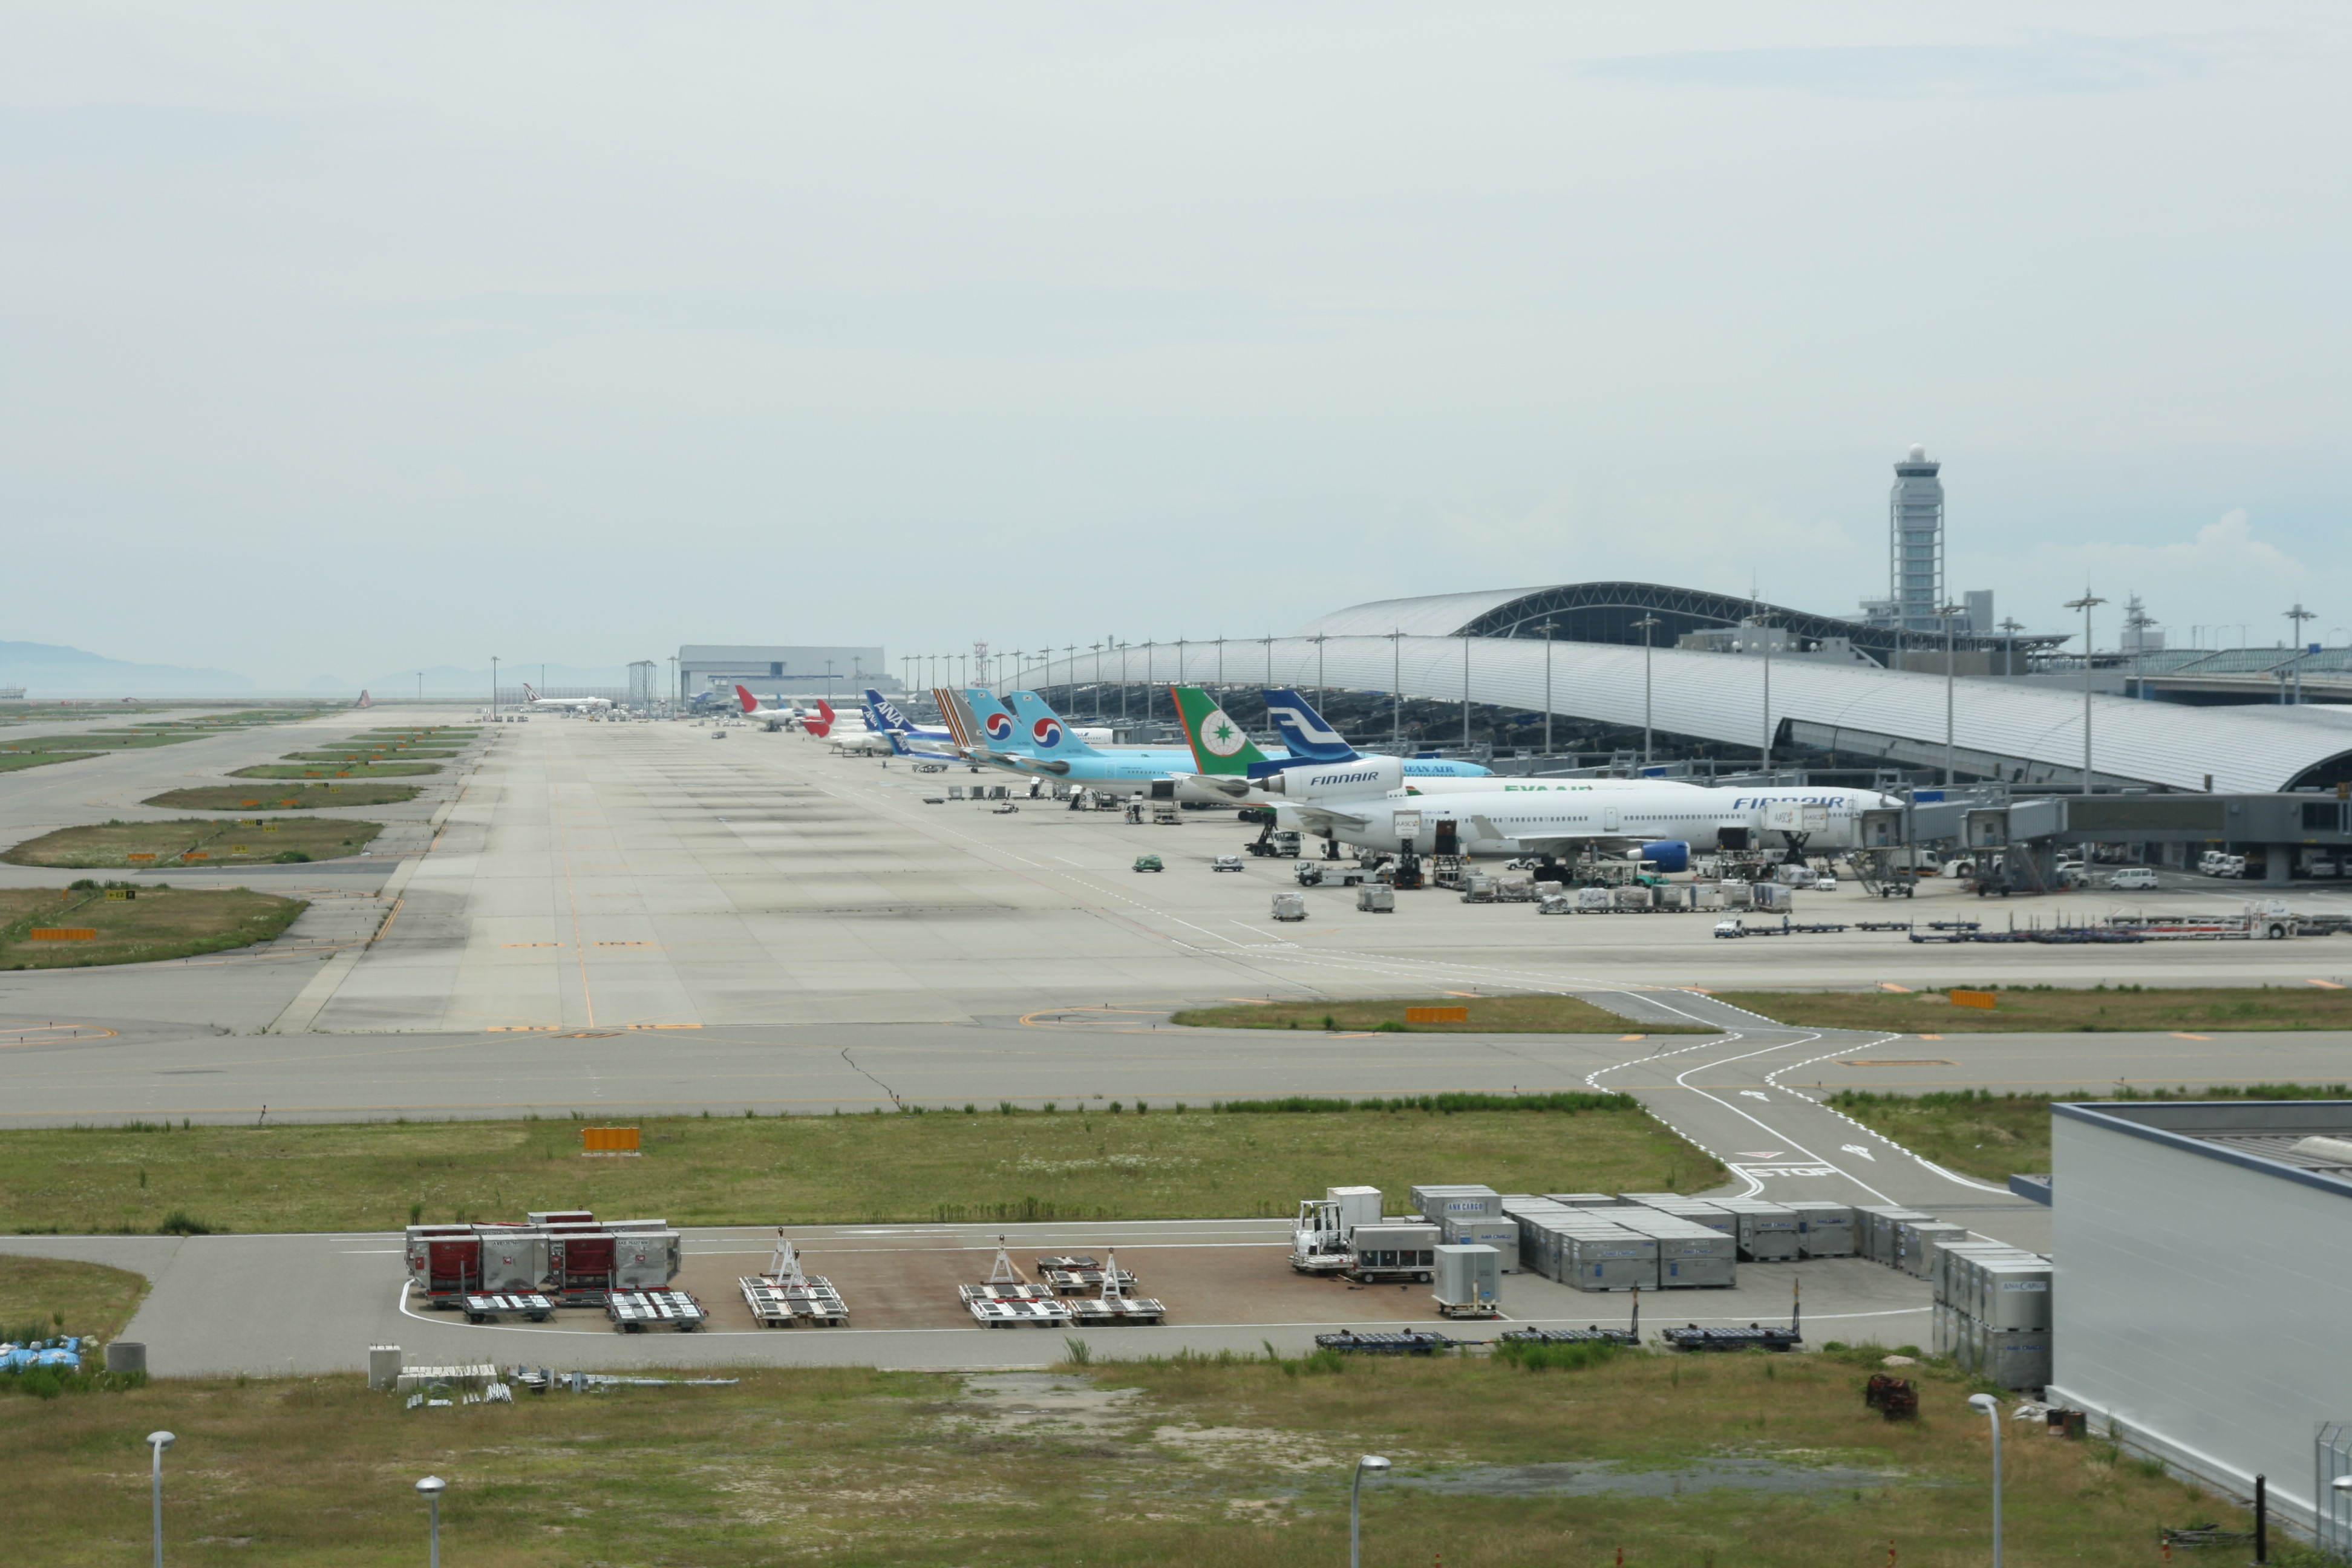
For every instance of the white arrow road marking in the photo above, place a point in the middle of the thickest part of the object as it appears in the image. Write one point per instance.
(1858, 1149)
(1757, 1094)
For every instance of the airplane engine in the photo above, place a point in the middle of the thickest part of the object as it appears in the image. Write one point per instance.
(1364, 778)
(1669, 855)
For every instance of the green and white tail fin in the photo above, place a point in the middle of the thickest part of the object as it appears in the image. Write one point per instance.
(1218, 745)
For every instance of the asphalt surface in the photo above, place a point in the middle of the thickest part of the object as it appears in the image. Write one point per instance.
(639, 917)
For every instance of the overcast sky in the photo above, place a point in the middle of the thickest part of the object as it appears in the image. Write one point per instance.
(358, 338)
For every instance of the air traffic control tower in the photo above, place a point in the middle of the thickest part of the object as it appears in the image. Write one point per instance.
(1916, 522)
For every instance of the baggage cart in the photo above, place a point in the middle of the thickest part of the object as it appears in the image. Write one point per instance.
(634, 1312)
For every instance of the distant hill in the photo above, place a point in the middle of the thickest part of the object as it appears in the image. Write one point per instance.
(47, 669)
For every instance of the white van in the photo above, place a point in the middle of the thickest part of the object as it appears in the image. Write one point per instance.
(2133, 876)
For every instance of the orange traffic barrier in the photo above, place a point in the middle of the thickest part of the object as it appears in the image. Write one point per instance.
(1437, 1014)
(1973, 999)
(63, 933)
(608, 1141)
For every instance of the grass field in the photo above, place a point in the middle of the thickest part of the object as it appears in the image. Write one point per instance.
(1995, 1136)
(111, 845)
(15, 762)
(1243, 1463)
(325, 770)
(309, 797)
(2040, 1008)
(356, 755)
(160, 924)
(59, 1296)
(90, 740)
(1488, 1014)
(801, 1170)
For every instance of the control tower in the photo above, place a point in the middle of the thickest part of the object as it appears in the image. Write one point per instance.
(1915, 530)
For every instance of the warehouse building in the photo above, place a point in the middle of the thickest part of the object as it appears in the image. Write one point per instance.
(769, 669)
(2204, 1260)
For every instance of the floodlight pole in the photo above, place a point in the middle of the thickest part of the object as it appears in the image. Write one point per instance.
(158, 1442)
(1466, 691)
(494, 685)
(2012, 626)
(2084, 605)
(1647, 624)
(1763, 618)
(432, 1486)
(1378, 1467)
(1396, 693)
(1547, 628)
(1992, 1407)
(2295, 617)
(1948, 613)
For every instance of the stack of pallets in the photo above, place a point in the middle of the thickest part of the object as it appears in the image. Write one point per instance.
(490, 1309)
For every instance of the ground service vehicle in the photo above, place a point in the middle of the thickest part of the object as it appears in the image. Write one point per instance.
(2133, 876)
(1226, 863)
(1148, 863)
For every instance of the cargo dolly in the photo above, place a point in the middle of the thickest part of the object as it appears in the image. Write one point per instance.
(1630, 1335)
(786, 1294)
(1113, 1304)
(1007, 1299)
(633, 1311)
(490, 1309)
(1412, 1341)
(1691, 1337)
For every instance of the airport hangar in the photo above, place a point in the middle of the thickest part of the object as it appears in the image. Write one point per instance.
(1488, 651)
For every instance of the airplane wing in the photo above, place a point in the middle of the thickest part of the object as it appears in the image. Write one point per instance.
(1548, 843)
(1322, 820)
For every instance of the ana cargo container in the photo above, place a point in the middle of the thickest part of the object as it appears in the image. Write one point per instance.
(1443, 1203)
(2015, 1294)
(1768, 1231)
(1824, 1230)
(1502, 1235)
(1916, 1242)
(1607, 1260)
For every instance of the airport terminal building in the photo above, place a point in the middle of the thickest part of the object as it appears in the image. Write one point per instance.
(772, 669)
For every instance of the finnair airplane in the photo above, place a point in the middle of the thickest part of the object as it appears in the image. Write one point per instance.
(538, 704)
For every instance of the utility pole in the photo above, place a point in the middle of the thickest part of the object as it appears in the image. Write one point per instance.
(1221, 664)
(2084, 605)
(1322, 694)
(1547, 628)
(1648, 624)
(1465, 692)
(494, 685)
(1763, 619)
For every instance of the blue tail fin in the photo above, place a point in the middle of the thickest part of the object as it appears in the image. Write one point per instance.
(883, 714)
(1303, 729)
(999, 731)
(1040, 730)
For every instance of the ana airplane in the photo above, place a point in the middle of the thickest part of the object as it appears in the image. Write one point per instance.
(538, 704)
(817, 721)
(1656, 821)
(885, 715)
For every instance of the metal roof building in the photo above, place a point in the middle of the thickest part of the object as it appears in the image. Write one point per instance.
(1420, 649)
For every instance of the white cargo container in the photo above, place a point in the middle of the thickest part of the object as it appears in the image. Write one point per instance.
(1469, 1280)
(1607, 1258)
(1768, 1231)
(1824, 1230)
(1357, 1205)
(1463, 1201)
(1392, 1252)
(1916, 1242)
(2016, 1294)
(1501, 1235)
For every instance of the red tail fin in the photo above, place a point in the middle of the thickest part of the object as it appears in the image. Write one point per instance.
(750, 703)
(821, 725)
(824, 710)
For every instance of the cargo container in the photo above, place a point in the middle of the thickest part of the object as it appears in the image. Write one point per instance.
(1583, 1200)
(2015, 1294)
(1916, 1242)
(1824, 1230)
(1440, 1203)
(1598, 1259)
(1768, 1231)
(1502, 1235)
(1883, 1218)
(1357, 1205)
(1392, 1252)
(1469, 1281)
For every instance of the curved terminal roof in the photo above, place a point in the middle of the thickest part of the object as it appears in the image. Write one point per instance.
(2029, 734)
(1612, 613)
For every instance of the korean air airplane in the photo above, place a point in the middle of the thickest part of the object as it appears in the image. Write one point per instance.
(1028, 737)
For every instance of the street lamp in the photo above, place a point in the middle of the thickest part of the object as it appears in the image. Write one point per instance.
(1763, 620)
(1547, 628)
(494, 688)
(1648, 624)
(1396, 691)
(432, 1486)
(2012, 626)
(1377, 1467)
(1466, 691)
(159, 1441)
(1992, 1407)
(1321, 694)
(2084, 605)
(1948, 613)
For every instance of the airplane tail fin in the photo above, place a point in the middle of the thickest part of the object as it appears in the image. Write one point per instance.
(528, 694)
(750, 703)
(883, 714)
(821, 725)
(1037, 728)
(1218, 745)
(1303, 730)
(964, 724)
(365, 700)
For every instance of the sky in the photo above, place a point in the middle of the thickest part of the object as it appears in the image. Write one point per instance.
(365, 338)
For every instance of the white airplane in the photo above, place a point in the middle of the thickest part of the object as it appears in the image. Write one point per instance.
(1661, 822)
(538, 704)
(817, 721)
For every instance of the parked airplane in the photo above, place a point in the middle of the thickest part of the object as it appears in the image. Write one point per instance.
(1656, 821)
(817, 721)
(1310, 739)
(538, 704)
(885, 715)
(1031, 739)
